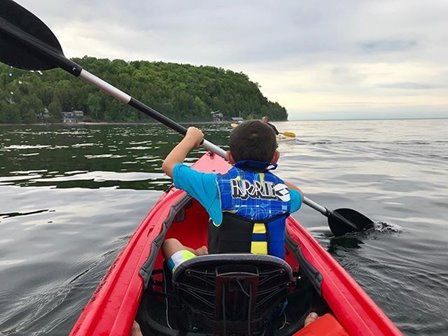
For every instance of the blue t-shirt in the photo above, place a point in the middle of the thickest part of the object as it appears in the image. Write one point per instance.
(203, 187)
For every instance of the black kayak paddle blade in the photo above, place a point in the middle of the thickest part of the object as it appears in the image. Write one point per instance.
(18, 25)
(344, 220)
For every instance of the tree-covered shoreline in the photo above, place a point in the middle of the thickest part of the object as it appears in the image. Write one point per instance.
(182, 92)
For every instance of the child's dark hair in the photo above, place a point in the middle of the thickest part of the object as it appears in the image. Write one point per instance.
(253, 140)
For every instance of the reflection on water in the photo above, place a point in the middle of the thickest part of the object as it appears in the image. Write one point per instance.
(13, 214)
(345, 242)
(70, 197)
(60, 157)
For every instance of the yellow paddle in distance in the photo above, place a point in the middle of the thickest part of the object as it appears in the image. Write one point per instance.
(288, 134)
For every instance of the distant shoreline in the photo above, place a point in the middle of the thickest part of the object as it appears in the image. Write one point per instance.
(118, 123)
(227, 122)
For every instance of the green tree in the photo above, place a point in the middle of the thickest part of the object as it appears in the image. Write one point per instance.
(55, 109)
(181, 91)
(9, 113)
(30, 106)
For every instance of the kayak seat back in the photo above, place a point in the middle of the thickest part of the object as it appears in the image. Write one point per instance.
(233, 293)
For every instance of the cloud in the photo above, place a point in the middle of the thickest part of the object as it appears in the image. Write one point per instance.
(388, 45)
(412, 86)
(304, 54)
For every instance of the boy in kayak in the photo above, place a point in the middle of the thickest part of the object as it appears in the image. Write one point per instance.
(248, 205)
(248, 193)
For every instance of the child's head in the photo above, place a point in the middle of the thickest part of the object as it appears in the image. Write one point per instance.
(253, 140)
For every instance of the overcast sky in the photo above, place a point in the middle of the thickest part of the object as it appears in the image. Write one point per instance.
(319, 59)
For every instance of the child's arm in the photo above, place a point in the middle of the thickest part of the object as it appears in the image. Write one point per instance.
(293, 186)
(192, 139)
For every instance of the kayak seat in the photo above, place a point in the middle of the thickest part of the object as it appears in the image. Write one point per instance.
(237, 294)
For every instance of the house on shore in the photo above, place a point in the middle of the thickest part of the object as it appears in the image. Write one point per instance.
(237, 120)
(72, 117)
(217, 116)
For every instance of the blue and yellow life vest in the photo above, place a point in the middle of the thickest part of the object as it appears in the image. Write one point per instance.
(255, 206)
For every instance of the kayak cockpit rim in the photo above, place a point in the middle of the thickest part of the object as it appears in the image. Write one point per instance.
(175, 210)
(302, 291)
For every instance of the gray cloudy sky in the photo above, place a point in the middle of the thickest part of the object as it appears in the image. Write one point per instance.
(333, 58)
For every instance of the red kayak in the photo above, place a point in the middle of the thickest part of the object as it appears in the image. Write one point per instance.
(226, 294)
(229, 294)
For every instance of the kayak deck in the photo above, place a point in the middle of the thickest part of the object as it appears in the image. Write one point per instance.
(121, 295)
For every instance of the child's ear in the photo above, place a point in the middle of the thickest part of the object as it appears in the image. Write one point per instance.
(275, 157)
(229, 157)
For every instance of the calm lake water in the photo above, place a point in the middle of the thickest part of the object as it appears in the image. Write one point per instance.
(70, 197)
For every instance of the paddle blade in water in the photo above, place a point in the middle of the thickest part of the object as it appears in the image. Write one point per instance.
(346, 220)
(17, 26)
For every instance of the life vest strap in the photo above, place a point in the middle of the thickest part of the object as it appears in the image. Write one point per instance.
(237, 234)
